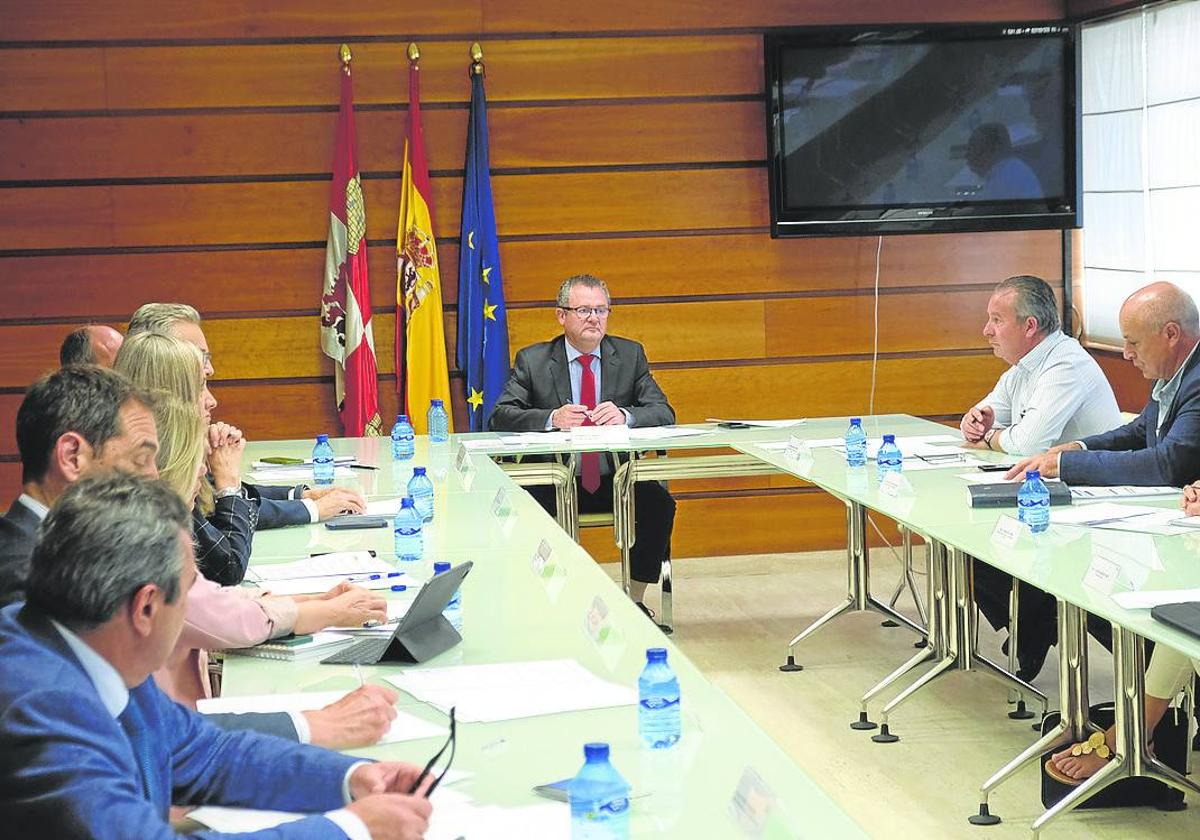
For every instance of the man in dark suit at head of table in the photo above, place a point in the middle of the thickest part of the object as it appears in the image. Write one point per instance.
(587, 377)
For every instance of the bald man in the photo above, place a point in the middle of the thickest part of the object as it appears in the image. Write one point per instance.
(1161, 446)
(95, 344)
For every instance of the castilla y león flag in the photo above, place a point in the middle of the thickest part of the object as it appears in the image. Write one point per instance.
(346, 297)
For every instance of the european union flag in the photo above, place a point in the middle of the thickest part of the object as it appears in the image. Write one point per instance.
(482, 318)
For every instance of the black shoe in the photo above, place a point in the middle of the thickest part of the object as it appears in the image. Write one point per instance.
(649, 612)
(1196, 742)
(1031, 662)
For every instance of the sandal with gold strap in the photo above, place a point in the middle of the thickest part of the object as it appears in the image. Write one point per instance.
(1094, 744)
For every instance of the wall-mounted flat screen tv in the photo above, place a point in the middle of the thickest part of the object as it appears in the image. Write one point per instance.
(931, 129)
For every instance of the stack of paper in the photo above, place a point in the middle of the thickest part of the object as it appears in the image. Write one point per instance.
(764, 424)
(510, 690)
(1122, 491)
(343, 563)
(1138, 518)
(293, 474)
(406, 727)
(1148, 600)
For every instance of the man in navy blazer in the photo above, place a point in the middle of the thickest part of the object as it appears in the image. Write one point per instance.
(1161, 446)
(91, 748)
(549, 388)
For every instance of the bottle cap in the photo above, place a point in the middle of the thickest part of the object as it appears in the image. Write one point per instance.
(656, 654)
(855, 421)
(432, 403)
(406, 502)
(440, 566)
(401, 418)
(1032, 474)
(418, 471)
(889, 438)
(322, 438)
(595, 752)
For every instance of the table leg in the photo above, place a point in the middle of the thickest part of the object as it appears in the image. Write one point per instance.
(1132, 751)
(858, 585)
(1073, 701)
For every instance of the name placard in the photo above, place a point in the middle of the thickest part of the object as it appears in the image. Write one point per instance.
(895, 484)
(1007, 531)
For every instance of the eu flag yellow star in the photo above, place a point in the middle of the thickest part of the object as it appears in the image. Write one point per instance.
(486, 272)
(489, 310)
(471, 240)
(475, 400)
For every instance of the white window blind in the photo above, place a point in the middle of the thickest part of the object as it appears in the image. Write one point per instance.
(1141, 159)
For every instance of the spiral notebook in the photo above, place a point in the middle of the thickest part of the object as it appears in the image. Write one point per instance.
(295, 648)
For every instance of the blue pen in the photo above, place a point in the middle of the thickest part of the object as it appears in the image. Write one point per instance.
(380, 576)
(400, 587)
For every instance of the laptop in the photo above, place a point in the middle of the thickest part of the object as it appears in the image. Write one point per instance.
(421, 634)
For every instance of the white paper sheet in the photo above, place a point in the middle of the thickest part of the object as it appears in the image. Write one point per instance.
(293, 474)
(451, 821)
(337, 459)
(764, 424)
(383, 507)
(664, 432)
(1146, 600)
(599, 436)
(510, 690)
(318, 585)
(1102, 513)
(341, 563)
(406, 726)
(1122, 491)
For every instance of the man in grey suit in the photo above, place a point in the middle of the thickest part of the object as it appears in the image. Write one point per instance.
(585, 377)
(83, 421)
(1161, 446)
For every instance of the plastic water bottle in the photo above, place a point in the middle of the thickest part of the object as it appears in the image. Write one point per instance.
(453, 611)
(1033, 502)
(323, 461)
(856, 444)
(599, 798)
(410, 545)
(421, 490)
(402, 439)
(439, 422)
(888, 458)
(658, 702)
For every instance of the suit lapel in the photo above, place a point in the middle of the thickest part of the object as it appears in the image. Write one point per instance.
(1165, 422)
(610, 369)
(559, 372)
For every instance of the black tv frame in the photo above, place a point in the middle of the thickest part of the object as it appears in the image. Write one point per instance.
(956, 217)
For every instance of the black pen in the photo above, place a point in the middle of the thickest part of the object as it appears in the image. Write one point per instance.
(359, 466)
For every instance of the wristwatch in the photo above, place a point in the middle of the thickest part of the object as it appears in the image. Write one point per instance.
(987, 437)
(227, 492)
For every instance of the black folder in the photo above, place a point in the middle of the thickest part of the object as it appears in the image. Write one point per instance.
(1005, 495)
(1183, 617)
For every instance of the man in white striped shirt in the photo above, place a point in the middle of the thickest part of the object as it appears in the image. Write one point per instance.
(1053, 393)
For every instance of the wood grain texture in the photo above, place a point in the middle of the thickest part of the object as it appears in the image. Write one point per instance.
(306, 74)
(151, 19)
(223, 144)
(110, 286)
(296, 211)
(1130, 387)
(286, 347)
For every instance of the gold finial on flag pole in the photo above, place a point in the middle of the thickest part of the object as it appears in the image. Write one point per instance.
(345, 56)
(476, 59)
(414, 53)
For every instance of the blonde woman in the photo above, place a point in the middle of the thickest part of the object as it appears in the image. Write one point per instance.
(223, 520)
(225, 617)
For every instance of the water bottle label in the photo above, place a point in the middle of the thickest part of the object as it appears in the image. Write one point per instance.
(408, 532)
(614, 807)
(659, 703)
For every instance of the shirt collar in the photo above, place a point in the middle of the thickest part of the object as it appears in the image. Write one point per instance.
(1034, 358)
(39, 509)
(108, 683)
(1170, 386)
(573, 354)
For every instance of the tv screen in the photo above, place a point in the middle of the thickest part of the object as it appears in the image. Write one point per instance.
(936, 129)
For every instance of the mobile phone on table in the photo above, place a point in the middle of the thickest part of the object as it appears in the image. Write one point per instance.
(995, 467)
(733, 425)
(354, 523)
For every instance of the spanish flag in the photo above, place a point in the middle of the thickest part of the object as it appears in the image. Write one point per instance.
(346, 335)
(421, 369)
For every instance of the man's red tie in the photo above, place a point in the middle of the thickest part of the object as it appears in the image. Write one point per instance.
(590, 463)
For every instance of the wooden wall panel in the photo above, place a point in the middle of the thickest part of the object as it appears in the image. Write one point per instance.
(110, 286)
(163, 151)
(210, 145)
(154, 19)
(1130, 387)
(305, 74)
(290, 211)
